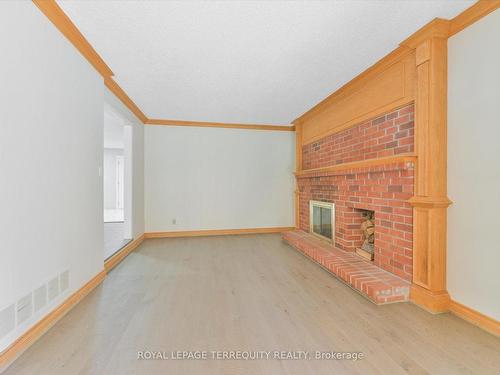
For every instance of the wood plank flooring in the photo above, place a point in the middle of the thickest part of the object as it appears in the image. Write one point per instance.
(248, 293)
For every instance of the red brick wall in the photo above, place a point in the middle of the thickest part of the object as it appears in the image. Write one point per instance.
(387, 135)
(383, 189)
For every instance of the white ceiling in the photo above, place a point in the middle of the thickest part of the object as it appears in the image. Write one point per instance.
(244, 61)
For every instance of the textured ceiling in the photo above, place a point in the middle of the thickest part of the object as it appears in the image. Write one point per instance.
(244, 61)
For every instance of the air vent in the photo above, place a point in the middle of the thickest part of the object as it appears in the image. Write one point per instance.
(24, 308)
(40, 297)
(7, 320)
(64, 280)
(53, 290)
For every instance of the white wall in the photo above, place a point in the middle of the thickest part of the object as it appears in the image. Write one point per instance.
(109, 176)
(113, 104)
(212, 178)
(113, 129)
(474, 166)
(51, 139)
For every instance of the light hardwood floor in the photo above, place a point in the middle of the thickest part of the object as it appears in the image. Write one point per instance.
(250, 292)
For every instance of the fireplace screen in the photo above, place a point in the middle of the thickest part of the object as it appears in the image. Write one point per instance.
(322, 219)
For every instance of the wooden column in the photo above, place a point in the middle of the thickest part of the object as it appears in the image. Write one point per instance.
(298, 168)
(430, 201)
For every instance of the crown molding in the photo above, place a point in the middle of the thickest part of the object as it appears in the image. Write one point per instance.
(437, 28)
(441, 28)
(472, 14)
(219, 125)
(124, 98)
(63, 23)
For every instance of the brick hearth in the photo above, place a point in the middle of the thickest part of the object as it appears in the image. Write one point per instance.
(378, 285)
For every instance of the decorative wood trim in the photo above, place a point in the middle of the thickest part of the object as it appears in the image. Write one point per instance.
(387, 85)
(297, 205)
(116, 258)
(298, 168)
(298, 146)
(60, 20)
(35, 332)
(357, 82)
(402, 158)
(57, 16)
(430, 201)
(124, 98)
(216, 232)
(472, 14)
(440, 28)
(219, 125)
(433, 302)
(475, 317)
(437, 28)
(64, 24)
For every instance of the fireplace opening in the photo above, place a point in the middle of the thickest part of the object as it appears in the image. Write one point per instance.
(322, 219)
(366, 250)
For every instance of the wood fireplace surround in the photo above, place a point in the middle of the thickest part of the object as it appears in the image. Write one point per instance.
(379, 143)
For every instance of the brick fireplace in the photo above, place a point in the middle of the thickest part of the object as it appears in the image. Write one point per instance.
(331, 172)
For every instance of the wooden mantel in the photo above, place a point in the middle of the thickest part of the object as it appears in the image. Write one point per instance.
(401, 158)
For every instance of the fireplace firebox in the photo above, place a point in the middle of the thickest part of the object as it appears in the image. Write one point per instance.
(366, 250)
(322, 220)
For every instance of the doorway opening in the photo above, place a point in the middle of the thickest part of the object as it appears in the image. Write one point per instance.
(117, 182)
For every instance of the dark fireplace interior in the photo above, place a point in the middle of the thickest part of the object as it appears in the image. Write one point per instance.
(322, 221)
